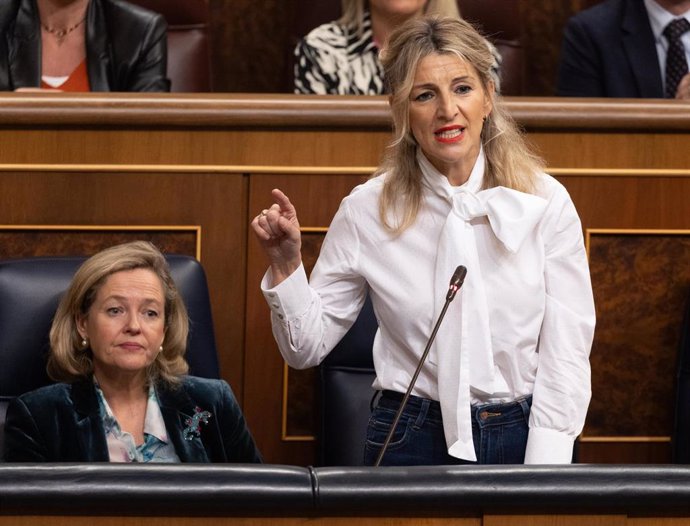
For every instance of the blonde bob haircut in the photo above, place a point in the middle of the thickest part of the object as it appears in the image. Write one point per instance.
(69, 361)
(353, 11)
(509, 162)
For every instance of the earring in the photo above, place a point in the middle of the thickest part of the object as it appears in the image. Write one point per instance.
(84, 343)
(160, 348)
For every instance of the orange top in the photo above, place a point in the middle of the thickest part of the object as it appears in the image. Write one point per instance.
(78, 80)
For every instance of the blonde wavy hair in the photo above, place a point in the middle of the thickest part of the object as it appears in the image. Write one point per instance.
(69, 361)
(353, 11)
(509, 161)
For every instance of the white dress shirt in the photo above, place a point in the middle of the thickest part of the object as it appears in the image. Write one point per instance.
(537, 292)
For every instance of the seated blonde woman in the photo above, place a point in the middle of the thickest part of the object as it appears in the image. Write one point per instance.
(81, 45)
(117, 343)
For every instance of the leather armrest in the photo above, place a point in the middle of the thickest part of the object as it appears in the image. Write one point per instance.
(453, 490)
(155, 489)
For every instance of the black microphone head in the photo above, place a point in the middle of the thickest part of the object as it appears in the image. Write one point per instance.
(459, 276)
(456, 282)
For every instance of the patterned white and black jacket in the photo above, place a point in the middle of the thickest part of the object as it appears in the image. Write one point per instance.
(333, 59)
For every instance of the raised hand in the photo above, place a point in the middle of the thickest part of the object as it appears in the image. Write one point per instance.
(277, 230)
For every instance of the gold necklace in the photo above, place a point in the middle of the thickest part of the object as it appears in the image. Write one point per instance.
(61, 33)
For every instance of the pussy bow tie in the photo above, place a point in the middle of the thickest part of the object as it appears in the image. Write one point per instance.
(463, 348)
(512, 215)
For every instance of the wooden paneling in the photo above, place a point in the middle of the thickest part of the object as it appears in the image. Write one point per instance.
(634, 274)
(211, 161)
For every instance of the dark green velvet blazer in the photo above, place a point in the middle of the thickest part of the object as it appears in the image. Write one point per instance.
(62, 423)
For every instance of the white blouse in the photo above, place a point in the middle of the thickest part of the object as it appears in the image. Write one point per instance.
(530, 273)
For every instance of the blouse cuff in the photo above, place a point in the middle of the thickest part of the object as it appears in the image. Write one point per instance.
(290, 298)
(548, 446)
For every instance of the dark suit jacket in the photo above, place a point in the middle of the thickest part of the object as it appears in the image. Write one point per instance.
(62, 423)
(126, 46)
(609, 51)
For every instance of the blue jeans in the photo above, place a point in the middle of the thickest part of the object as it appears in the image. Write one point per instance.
(499, 432)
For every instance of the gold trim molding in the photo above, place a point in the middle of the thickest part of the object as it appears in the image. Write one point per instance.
(189, 169)
(304, 170)
(619, 172)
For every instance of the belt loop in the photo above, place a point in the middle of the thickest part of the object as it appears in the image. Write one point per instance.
(374, 400)
(423, 410)
(525, 404)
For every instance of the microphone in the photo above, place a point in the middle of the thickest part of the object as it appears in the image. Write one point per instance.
(456, 282)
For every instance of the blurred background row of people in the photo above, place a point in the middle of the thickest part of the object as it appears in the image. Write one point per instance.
(615, 48)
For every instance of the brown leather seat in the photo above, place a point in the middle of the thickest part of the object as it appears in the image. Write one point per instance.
(500, 22)
(189, 67)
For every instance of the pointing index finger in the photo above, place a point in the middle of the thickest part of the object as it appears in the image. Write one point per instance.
(283, 201)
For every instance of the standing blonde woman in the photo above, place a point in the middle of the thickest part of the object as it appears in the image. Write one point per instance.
(508, 377)
(342, 57)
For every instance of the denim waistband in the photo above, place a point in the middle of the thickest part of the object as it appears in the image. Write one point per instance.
(482, 414)
(415, 404)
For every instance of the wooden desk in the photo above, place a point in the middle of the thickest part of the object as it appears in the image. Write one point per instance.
(81, 172)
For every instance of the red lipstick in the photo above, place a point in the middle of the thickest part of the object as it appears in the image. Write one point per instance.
(449, 134)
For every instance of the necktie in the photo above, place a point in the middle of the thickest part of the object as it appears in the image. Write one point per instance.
(462, 350)
(676, 65)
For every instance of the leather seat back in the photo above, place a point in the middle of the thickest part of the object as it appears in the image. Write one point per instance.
(346, 376)
(189, 66)
(500, 22)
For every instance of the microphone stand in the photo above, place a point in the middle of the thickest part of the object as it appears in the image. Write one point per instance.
(455, 283)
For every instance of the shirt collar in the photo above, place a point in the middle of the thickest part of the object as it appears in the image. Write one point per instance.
(439, 184)
(154, 424)
(659, 18)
